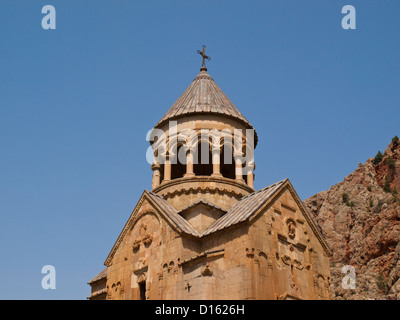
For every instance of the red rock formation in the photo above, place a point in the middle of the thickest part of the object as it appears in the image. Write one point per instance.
(383, 169)
(361, 223)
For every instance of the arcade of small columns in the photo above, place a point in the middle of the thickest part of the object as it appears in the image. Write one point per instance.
(241, 159)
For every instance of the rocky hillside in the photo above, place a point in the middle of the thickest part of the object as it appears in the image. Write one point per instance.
(360, 219)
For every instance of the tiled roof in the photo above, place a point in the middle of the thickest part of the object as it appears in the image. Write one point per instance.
(240, 211)
(173, 214)
(244, 208)
(100, 276)
(203, 96)
(97, 293)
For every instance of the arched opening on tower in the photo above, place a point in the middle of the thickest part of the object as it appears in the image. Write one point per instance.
(178, 166)
(162, 172)
(244, 175)
(227, 164)
(202, 160)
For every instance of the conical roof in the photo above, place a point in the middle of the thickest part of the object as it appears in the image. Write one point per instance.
(203, 96)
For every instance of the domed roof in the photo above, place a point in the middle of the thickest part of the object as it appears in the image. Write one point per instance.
(203, 96)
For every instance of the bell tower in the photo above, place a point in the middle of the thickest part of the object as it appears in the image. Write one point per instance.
(203, 231)
(203, 148)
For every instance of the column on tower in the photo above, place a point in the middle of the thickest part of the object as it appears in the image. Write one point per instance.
(189, 163)
(156, 174)
(216, 157)
(250, 175)
(238, 167)
(167, 169)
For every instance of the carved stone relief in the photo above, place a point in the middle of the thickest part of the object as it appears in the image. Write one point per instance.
(291, 228)
(144, 237)
(206, 271)
(258, 256)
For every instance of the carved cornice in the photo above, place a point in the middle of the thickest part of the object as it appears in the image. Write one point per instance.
(210, 190)
(222, 186)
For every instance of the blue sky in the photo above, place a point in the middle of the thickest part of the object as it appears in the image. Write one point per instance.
(76, 104)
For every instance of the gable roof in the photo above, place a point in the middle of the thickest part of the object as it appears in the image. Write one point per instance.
(101, 275)
(248, 207)
(181, 223)
(243, 210)
(165, 209)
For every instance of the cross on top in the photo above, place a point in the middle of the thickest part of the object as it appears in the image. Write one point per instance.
(203, 54)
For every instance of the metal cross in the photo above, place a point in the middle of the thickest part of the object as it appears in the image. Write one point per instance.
(203, 54)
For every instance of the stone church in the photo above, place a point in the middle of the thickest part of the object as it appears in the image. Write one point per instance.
(203, 231)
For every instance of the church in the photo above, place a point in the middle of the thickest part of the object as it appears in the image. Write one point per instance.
(203, 232)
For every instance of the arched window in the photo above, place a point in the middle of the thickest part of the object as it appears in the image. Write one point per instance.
(227, 164)
(162, 173)
(202, 160)
(178, 163)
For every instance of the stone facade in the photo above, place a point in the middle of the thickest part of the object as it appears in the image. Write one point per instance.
(203, 232)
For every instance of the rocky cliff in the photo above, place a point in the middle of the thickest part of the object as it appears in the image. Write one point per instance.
(360, 219)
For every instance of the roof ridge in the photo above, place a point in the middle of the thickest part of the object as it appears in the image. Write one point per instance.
(264, 189)
(201, 200)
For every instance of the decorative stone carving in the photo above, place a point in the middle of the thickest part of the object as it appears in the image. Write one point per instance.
(315, 281)
(142, 277)
(116, 291)
(250, 252)
(297, 264)
(206, 271)
(171, 266)
(148, 238)
(293, 283)
(145, 238)
(257, 258)
(269, 227)
(142, 262)
(188, 286)
(286, 259)
(291, 228)
(136, 245)
(220, 191)
(288, 296)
